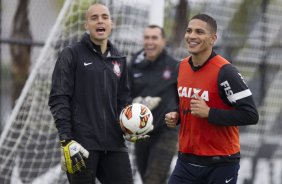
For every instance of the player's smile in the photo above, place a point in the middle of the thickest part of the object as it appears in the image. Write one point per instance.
(192, 44)
(153, 43)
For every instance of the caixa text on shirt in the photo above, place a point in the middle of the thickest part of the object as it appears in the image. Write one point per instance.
(190, 93)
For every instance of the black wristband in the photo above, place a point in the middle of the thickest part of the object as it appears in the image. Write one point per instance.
(65, 137)
(65, 142)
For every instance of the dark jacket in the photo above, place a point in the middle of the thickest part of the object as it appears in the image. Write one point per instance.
(156, 79)
(88, 92)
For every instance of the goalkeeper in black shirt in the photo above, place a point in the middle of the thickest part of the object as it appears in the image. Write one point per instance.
(89, 90)
(153, 75)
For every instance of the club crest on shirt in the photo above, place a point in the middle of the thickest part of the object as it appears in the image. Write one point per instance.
(166, 74)
(116, 68)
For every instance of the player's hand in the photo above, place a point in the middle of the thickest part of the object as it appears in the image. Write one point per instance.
(141, 137)
(199, 107)
(171, 119)
(73, 155)
(135, 138)
(150, 102)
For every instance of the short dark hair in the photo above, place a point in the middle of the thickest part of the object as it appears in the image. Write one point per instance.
(208, 19)
(159, 27)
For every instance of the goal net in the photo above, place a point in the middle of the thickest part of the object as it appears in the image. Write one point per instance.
(29, 144)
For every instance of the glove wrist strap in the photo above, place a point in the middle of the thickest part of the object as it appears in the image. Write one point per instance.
(65, 142)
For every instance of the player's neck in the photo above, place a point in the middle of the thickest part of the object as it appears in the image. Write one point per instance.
(200, 58)
(103, 44)
(103, 47)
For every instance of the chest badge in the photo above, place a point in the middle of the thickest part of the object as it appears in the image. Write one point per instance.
(116, 68)
(166, 74)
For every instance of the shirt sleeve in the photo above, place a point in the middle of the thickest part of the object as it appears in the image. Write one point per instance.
(234, 92)
(61, 93)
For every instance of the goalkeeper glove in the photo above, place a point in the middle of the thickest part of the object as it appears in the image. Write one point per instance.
(141, 137)
(135, 138)
(63, 160)
(150, 102)
(73, 154)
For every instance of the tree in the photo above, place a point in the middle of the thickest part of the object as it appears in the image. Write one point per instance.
(20, 53)
(180, 24)
(0, 67)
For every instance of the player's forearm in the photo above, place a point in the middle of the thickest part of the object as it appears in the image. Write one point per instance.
(232, 117)
(60, 109)
(64, 129)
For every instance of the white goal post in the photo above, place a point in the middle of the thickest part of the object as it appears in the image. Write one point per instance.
(29, 144)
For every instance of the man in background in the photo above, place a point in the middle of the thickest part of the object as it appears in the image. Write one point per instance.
(153, 76)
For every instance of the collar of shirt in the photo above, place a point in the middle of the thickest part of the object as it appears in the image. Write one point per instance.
(97, 48)
(196, 68)
(141, 62)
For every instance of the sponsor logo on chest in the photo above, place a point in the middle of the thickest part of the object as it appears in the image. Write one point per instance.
(190, 93)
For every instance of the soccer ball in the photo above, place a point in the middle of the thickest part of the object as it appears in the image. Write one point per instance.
(136, 119)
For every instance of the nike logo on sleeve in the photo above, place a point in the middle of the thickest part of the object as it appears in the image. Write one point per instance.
(86, 64)
(136, 75)
(227, 181)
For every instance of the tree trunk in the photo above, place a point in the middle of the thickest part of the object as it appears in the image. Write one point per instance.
(1, 68)
(180, 24)
(20, 53)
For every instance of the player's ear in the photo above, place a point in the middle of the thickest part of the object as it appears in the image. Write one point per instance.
(112, 24)
(213, 39)
(164, 41)
(86, 26)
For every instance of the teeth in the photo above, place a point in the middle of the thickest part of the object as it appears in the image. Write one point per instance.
(100, 29)
(193, 43)
(150, 48)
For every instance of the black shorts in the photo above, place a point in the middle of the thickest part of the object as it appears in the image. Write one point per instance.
(111, 167)
(188, 173)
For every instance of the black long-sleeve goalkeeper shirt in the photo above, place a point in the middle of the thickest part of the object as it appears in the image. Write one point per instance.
(88, 92)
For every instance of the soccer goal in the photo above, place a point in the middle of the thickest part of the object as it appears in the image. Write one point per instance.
(29, 144)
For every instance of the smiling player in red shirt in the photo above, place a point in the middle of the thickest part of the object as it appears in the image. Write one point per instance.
(213, 101)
